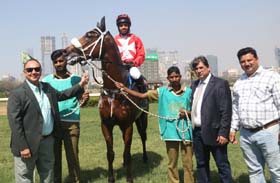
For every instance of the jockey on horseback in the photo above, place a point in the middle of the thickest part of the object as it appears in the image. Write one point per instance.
(131, 50)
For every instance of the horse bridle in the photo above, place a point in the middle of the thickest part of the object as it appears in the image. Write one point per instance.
(94, 44)
(76, 43)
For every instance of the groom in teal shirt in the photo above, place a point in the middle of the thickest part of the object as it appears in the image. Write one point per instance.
(173, 100)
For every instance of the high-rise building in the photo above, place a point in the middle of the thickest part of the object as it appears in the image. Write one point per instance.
(64, 40)
(166, 60)
(277, 55)
(149, 68)
(213, 63)
(47, 47)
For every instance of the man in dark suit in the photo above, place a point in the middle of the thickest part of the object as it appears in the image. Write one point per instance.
(211, 117)
(33, 117)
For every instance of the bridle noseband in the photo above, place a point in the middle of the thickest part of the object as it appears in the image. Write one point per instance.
(76, 43)
(94, 44)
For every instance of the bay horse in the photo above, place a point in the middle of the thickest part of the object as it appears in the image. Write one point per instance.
(114, 108)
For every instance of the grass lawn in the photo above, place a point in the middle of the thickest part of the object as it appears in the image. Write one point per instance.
(93, 154)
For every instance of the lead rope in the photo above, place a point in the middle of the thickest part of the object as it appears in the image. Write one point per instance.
(176, 119)
(78, 45)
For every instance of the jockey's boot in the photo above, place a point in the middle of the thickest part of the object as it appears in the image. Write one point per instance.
(142, 86)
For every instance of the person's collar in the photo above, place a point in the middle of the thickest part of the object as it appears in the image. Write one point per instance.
(32, 86)
(206, 80)
(259, 70)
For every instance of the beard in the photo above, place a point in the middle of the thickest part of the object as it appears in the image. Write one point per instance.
(175, 84)
(61, 69)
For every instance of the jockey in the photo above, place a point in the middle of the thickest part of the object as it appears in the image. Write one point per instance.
(131, 48)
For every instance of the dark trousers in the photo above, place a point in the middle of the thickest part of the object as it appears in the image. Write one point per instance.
(202, 155)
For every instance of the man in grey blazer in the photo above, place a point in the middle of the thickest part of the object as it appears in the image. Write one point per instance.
(211, 118)
(33, 117)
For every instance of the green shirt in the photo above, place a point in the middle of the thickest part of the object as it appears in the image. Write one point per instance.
(69, 106)
(169, 104)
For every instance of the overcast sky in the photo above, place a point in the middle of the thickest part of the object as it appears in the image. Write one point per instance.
(197, 27)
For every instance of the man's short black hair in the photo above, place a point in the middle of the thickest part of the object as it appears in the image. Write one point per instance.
(173, 69)
(56, 54)
(245, 51)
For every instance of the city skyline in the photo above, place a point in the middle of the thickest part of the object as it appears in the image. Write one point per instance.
(191, 27)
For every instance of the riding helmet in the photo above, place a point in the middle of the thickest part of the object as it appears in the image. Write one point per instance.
(123, 18)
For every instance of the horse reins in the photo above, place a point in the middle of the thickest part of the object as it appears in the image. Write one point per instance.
(93, 45)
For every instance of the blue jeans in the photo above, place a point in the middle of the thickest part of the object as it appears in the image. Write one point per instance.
(259, 148)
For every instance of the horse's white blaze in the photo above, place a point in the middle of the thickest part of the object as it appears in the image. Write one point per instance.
(76, 43)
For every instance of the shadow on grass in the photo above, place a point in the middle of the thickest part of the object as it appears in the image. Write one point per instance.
(139, 168)
(243, 178)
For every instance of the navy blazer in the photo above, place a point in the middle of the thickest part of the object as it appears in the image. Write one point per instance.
(216, 110)
(25, 117)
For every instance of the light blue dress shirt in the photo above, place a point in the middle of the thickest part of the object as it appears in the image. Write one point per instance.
(45, 107)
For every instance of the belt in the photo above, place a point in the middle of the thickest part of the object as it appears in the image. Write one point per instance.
(267, 125)
(45, 136)
(197, 128)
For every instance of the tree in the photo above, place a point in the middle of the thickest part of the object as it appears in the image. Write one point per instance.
(6, 86)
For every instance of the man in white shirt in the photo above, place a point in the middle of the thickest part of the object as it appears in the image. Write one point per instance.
(256, 107)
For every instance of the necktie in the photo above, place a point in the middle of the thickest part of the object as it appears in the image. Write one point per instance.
(197, 96)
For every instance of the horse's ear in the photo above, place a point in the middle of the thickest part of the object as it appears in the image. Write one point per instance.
(102, 25)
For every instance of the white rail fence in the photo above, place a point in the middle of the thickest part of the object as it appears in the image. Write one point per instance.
(91, 95)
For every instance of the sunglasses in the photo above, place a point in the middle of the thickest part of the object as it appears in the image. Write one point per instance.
(37, 69)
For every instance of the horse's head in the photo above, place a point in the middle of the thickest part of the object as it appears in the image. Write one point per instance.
(89, 46)
(97, 44)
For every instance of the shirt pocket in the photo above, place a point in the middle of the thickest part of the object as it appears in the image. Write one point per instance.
(261, 94)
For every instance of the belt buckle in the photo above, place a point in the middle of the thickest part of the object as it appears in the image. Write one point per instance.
(255, 129)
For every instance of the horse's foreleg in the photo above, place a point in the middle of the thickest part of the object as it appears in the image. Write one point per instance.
(108, 135)
(141, 124)
(127, 138)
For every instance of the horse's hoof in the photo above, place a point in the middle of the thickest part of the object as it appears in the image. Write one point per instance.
(145, 159)
(111, 180)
